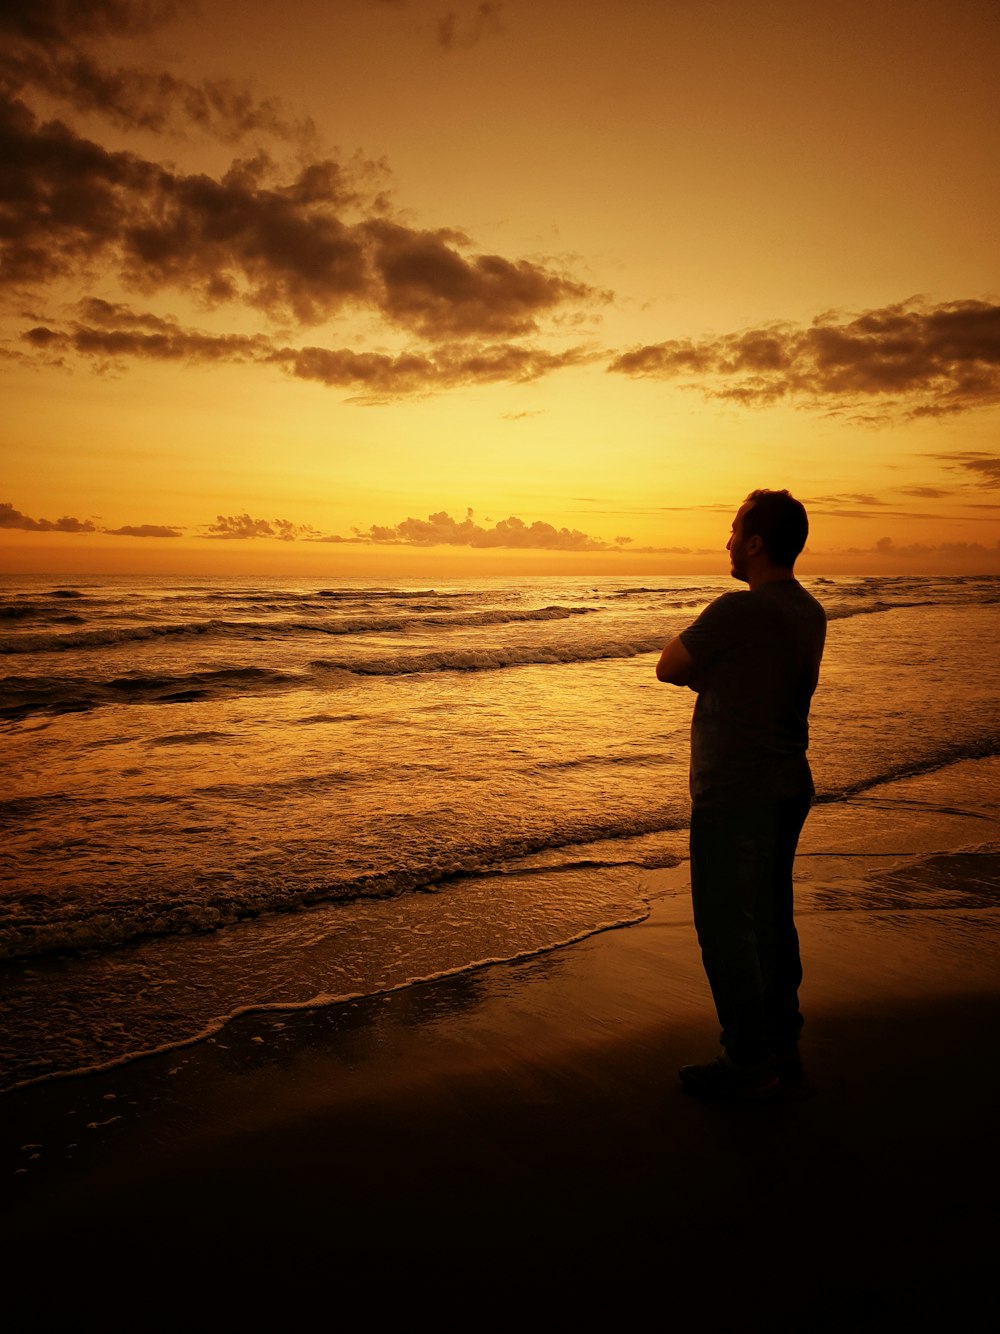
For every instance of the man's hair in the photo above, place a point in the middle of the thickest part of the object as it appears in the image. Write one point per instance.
(780, 521)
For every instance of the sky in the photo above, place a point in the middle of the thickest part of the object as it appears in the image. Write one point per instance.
(394, 288)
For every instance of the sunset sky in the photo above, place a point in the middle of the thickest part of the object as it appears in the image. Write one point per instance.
(404, 287)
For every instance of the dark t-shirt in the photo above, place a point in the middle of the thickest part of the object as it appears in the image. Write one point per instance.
(756, 663)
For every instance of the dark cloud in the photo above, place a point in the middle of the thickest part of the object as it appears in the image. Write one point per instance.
(286, 246)
(12, 518)
(381, 374)
(924, 492)
(242, 526)
(115, 332)
(428, 286)
(442, 530)
(152, 338)
(304, 243)
(984, 468)
(847, 498)
(923, 360)
(817, 508)
(143, 530)
(464, 31)
(60, 23)
(885, 546)
(49, 46)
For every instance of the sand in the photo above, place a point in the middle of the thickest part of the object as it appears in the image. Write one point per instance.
(513, 1144)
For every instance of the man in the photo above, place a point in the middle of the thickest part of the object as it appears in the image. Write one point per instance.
(752, 657)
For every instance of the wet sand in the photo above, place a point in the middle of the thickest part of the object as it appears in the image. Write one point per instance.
(513, 1143)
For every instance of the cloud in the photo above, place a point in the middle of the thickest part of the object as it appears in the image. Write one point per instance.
(113, 332)
(242, 526)
(302, 244)
(442, 530)
(885, 546)
(143, 530)
(288, 246)
(456, 31)
(985, 468)
(920, 359)
(166, 344)
(12, 518)
(49, 46)
(426, 285)
(847, 498)
(382, 374)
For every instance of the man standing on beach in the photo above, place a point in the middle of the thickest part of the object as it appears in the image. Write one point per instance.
(753, 659)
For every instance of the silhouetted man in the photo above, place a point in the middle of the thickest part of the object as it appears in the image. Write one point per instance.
(753, 659)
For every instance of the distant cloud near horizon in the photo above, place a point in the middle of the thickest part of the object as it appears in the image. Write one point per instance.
(441, 529)
(885, 546)
(242, 526)
(921, 360)
(13, 518)
(143, 530)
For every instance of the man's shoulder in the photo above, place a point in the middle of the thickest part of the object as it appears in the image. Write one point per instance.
(790, 592)
(735, 602)
(723, 622)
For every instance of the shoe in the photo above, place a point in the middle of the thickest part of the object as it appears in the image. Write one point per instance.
(789, 1068)
(722, 1081)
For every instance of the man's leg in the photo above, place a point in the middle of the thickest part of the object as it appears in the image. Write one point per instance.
(777, 939)
(732, 869)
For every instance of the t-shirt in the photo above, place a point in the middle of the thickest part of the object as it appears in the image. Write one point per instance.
(756, 663)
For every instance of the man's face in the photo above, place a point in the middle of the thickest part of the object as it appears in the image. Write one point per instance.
(736, 546)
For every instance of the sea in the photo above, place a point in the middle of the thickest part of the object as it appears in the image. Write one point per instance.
(230, 795)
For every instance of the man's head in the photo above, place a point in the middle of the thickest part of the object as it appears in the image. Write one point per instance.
(769, 531)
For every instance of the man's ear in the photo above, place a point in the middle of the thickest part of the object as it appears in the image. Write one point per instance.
(754, 544)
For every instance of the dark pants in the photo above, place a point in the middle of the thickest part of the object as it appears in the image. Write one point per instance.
(741, 888)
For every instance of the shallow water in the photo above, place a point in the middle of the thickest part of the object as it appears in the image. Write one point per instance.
(232, 794)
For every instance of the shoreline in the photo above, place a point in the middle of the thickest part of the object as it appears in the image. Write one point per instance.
(520, 1130)
(844, 842)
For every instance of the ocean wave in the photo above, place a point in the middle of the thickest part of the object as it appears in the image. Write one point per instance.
(974, 748)
(490, 660)
(189, 738)
(108, 636)
(61, 642)
(187, 908)
(835, 613)
(22, 696)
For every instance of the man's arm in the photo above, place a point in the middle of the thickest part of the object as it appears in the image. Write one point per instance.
(676, 666)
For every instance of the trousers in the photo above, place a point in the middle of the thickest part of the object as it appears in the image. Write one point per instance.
(742, 894)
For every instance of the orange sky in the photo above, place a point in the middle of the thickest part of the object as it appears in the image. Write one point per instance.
(394, 287)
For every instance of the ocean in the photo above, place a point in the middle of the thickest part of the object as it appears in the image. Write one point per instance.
(228, 795)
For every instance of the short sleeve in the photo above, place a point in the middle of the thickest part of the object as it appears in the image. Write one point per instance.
(717, 630)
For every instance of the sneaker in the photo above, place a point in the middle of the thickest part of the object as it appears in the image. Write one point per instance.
(722, 1081)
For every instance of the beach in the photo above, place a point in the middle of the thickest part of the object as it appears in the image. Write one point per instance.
(514, 1139)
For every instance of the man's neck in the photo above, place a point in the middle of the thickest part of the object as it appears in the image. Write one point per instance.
(769, 574)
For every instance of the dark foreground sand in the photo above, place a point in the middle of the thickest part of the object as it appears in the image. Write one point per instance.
(513, 1146)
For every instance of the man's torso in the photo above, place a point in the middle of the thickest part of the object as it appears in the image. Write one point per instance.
(756, 662)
